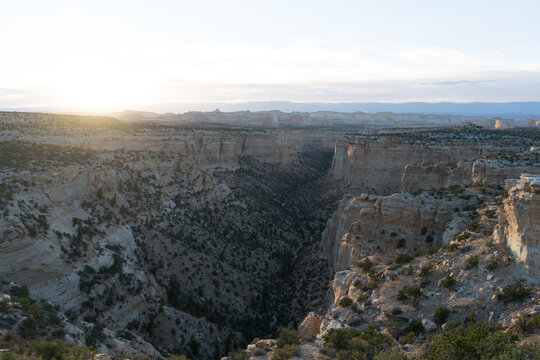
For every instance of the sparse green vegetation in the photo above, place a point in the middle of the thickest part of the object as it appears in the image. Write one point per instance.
(493, 263)
(479, 341)
(448, 282)
(514, 292)
(365, 265)
(472, 261)
(440, 315)
(425, 270)
(412, 292)
(356, 344)
(345, 301)
(403, 259)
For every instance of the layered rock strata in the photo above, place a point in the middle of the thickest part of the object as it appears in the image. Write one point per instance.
(519, 221)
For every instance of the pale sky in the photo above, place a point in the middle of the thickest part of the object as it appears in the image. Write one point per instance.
(112, 55)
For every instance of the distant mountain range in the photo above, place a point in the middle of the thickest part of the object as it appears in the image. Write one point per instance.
(508, 110)
(484, 109)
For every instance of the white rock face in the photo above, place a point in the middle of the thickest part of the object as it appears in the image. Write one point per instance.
(366, 224)
(519, 222)
(385, 164)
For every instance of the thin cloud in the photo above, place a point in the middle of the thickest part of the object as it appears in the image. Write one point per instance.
(457, 82)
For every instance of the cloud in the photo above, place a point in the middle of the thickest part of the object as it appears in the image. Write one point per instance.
(458, 82)
(486, 86)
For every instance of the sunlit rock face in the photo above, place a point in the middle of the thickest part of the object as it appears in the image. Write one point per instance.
(519, 221)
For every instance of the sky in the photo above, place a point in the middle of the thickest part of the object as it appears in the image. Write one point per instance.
(113, 55)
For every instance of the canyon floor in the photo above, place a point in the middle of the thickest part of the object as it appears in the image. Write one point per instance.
(150, 239)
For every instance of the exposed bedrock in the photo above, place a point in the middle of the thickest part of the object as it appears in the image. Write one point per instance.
(519, 221)
(368, 224)
(406, 162)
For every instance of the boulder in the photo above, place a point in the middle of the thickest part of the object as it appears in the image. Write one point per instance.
(310, 326)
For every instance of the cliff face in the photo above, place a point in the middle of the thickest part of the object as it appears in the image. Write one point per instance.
(519, 221)
(372, 224)
(434, 176)
(205, 147)
(390, 163)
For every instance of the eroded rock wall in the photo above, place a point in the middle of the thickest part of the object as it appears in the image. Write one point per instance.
(406, 162)
(367, 224)
(519, 221)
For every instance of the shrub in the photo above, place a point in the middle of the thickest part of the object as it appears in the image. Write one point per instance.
(493, 263)
(19, 291)
(415, 326)
(476, 342)
(528, 351)
(463, 236)
(514, 292)
(528, 323)
(372, 284)
(440, 315)
(345, 301)
(362, 298)
(425, 270)
(408, 270)
(408, 338)
(287, 337)
(47, 350)
(360, 285)
(357, 344)
(400, 243)
(95, 335)
(36, 311)
(429, 239)
(284, 353)
(450, 247)
(409, 292)
(5, 306)
(472, 261)
(473, 225)
(391, 354)
(448, 282)
(403, 259)
(365, 265)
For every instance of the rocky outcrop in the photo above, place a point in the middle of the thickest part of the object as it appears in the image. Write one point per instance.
(519, 221)
(495, 123)
(389, 163)
(533, 123)
(367, 224)
(434, 176)
(310, 326)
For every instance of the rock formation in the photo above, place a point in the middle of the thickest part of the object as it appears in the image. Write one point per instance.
(519, 221)
(369, 223)
(389, 163)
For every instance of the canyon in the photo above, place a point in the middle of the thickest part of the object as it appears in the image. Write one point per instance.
(151, 235)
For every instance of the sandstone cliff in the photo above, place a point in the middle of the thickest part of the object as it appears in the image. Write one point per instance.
(371, 224)
(389, 163)
(519, 221)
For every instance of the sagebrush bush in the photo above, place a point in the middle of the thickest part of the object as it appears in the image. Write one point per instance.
(448, 282)
(440, 315)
